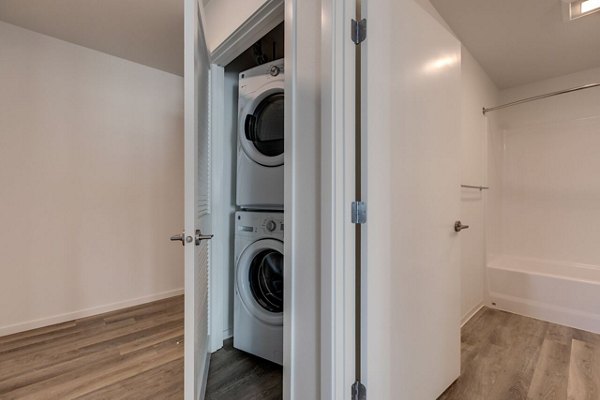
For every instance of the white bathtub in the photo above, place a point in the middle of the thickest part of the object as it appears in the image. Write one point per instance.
(563, 293)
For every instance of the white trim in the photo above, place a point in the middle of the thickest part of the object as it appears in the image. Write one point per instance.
(204, 382)
(258, 25)
(467, 317)
(338, 189)
(220, 210)
(87, 312)
(290, 120)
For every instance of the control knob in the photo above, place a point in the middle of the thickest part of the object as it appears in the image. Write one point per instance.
(271, 225)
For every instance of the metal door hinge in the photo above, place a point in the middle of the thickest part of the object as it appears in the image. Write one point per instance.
(359, 391)
(358, 30)
(359, 212)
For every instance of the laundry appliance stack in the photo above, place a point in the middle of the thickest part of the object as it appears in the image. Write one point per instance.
(259, 226)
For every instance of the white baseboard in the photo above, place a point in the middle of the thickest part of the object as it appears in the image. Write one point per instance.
(547, 312)
(467, 317)
(88, 312)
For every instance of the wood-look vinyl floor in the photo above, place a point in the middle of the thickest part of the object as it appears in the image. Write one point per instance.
(237, 375)
(135, 353)
(510, 357)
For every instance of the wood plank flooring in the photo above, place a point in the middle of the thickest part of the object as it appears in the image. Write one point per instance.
(237, 375)
(135, 353)
(510, 357)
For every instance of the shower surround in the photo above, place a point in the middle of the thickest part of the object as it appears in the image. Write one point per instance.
(543, 209)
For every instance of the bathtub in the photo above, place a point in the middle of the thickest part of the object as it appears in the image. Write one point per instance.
(563, 293)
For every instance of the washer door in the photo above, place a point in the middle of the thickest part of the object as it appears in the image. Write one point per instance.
(262, 127)
(259, 280)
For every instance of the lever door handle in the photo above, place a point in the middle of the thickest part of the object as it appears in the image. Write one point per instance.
(458, 226)
(200, 237)
(180, 238)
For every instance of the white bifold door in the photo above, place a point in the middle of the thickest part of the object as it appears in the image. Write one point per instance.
(197, 202)
(411, 142)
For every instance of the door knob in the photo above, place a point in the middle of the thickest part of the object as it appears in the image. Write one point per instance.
(180, 238)
(458, 226)
(200, 237)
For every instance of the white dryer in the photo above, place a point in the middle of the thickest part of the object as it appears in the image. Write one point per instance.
(260, 137)
(258, 302)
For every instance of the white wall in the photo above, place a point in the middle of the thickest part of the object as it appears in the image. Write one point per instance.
(549, 152)
(222, 18)
(477, 91)
(91, 178)
(431, 10)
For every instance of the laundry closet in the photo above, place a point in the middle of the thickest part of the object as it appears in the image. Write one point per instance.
(249, 296)
(220, 44)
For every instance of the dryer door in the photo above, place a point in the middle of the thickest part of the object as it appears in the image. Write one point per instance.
(262, 127)
(259, 280)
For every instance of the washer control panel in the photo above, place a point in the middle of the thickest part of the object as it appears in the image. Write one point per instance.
(265, 224)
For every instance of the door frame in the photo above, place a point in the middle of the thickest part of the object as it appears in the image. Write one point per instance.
(338, 191)
(335, 88)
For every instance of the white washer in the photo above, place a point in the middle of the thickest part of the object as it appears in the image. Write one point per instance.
(258, 302)
(260, 137)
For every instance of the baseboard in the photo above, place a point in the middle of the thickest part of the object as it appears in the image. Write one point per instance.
(88, 312)
(547, 312)
(467, 317)
(204, 382)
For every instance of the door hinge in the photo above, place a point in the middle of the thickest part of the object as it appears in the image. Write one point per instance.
(359, 212)
(359, 391)
(358, 30)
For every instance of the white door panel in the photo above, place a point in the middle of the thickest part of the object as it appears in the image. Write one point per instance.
(411, 97)
(197, 201)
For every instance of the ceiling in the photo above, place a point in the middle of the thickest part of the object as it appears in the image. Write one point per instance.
(148, 32)
(519, 42)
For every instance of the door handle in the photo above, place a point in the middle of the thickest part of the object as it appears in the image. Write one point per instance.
(458, 226)
(180, 237)
(197, 239)
(200, 237)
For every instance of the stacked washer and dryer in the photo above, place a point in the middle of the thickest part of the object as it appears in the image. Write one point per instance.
(258, 302)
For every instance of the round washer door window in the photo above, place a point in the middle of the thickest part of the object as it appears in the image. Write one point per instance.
(261, 126)
(266, 280)
(259, 280)
(265, 127)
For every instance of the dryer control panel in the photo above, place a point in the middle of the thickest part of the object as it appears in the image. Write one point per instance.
(255, 223)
